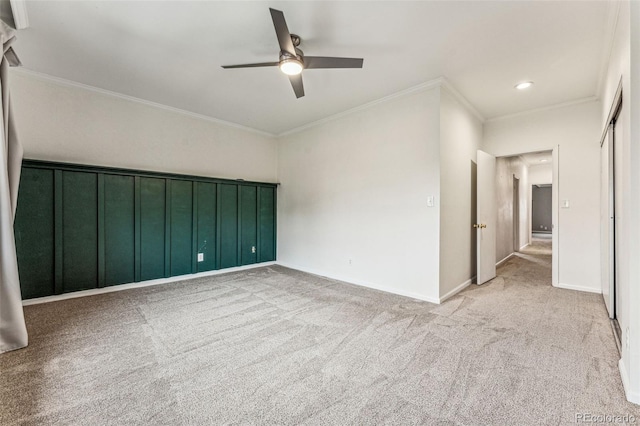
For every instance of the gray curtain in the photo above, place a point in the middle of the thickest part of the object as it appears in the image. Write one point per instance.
(13, 331)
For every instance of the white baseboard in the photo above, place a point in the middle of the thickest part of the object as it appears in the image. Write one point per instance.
(505, 259)
(631, 396)
(578, 288)
(523, 247)
(363, 283)
(120, 287)
(457, 290)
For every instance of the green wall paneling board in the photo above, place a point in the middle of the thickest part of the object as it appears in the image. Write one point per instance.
(228, 225)
(206, 226)
(152, 228)
(119, 221)
(34, 233)
(181, 227)
(267, 224)
(81, 227)
(248, 225)
(79, 230)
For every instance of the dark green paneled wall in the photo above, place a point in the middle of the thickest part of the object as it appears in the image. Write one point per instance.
(152, 228)
(119, 230)
(35, 232)
(228, 225)
(81, 227)
(79, 230)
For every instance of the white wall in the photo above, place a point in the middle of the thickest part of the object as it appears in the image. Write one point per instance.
(506, 169)
(460, 137)
(60, 122)
(624, 65)
(540, 174)
(576, 130)
(354, 197)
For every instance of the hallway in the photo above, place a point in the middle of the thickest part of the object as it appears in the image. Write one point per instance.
(554, 343)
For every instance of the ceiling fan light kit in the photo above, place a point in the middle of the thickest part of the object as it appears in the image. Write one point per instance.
(292, 60)
(291, 66)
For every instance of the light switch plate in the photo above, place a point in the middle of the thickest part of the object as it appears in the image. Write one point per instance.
(431, 201)
(565, 204)
(200, 257)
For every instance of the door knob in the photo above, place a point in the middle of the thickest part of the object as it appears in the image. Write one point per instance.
(479, 225)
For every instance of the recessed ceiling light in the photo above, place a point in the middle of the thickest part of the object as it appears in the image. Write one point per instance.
(524, 85)
(543, 161)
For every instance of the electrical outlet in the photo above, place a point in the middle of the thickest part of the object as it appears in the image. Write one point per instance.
(200, 257)
(350, 262)
(253, 249)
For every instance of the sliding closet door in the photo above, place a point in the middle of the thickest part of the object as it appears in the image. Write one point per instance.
(607, 221)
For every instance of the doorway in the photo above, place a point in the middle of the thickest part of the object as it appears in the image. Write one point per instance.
(504, 201)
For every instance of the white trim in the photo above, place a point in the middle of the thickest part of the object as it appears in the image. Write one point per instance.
(69, 83)
(457, 290)
(542, 109)
(460, 98)
(523, 247)
(431, 84)
(633, 397)
(19, 11)
(149, 283)
(363, 283)
(505, 259)
(579, 288)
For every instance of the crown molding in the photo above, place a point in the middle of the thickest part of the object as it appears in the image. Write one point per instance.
(68, 83)
(543, 109)
(431, 84)
(460, 98)
(441, 82)
(19, 11)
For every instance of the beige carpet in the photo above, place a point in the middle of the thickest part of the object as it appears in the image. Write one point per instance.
(276, 346)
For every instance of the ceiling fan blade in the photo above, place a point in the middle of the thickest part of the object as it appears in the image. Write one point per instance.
(311, 62)
(296, 83)
(261, 64)
(284, 37)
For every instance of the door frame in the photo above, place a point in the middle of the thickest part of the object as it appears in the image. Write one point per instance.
(555, 208)
(516, 214)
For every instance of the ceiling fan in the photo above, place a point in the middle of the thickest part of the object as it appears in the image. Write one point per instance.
(292, 59)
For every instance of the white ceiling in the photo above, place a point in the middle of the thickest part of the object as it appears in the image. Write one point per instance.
(537, 158)
(170, 52)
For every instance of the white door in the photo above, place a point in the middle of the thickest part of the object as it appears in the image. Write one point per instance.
(607, 221)
(486, 218)
(555, 218)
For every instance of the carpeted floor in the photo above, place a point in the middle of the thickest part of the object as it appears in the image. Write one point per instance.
(276, 346)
